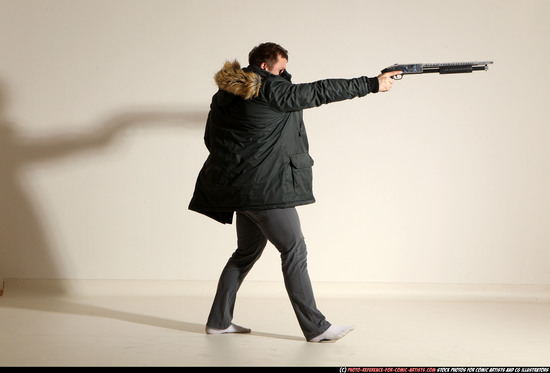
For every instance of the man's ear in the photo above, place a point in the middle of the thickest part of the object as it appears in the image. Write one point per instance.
(264, 66)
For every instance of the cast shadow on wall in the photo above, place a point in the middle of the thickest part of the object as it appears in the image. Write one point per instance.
(23, 239)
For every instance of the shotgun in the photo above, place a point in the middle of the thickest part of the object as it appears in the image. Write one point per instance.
(442, 68)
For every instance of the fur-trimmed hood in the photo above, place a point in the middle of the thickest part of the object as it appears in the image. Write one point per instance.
(231, 78)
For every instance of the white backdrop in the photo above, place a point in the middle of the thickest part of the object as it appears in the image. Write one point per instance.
(443, 180)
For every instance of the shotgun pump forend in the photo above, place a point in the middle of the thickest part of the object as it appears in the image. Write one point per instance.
(442, 68)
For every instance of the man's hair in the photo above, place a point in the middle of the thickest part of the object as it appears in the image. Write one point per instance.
(268, 53)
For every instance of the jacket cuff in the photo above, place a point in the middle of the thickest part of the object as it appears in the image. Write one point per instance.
(373, 85)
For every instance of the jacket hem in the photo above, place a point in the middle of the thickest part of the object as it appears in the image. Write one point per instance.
(224, 215)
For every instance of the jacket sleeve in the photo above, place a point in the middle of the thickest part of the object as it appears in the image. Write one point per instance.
(284, 96)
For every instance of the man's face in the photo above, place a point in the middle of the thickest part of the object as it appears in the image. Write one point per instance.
(277, 68)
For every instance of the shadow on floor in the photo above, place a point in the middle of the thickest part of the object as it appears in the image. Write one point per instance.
(63, 306)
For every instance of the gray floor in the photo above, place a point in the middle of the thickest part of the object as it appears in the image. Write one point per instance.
(40, 328)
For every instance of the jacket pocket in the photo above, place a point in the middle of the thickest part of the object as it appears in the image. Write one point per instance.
(302, 173)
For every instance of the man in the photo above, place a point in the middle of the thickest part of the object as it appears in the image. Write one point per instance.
(260, 168)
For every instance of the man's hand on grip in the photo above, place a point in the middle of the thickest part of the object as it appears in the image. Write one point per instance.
(385, 80)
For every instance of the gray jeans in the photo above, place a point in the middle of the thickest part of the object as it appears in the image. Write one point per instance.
(282, 228)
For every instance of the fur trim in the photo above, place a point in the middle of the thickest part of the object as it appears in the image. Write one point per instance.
(233, 79)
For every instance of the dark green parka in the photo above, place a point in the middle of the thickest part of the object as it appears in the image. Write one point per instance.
(257, 141)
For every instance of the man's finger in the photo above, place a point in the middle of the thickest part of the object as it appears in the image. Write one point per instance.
(393, 73)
